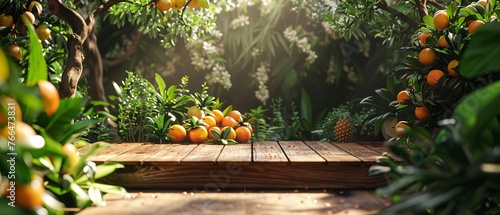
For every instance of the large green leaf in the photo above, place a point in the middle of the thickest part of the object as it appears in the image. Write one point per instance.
(37, 66)
(482, 54)
(474, 112)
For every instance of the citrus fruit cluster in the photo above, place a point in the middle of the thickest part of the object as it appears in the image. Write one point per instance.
(433, 71)
(15, 23)
(214, 127)
(165, 5)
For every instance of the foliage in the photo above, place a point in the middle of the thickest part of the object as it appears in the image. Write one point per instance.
(66, 179)
(451, 162)
(136, 102)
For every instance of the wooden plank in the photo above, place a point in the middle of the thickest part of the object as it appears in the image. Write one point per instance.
(331, 153)
(263, 175)
(381, 148)
(359, 151)
(139, 154)
(203, 153)
(240, 153)
(268, 151)
(113, 151)
(245, 202)
(171, 155)
(299, 152)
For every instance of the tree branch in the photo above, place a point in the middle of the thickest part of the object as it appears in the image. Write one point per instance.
(71, 17)
(436, 4)
(383, 5)
(422, 8)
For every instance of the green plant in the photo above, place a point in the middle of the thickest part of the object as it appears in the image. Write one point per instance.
(457, 170)
(136, 102)
(172, 100)
(49, 175)
(158, 129)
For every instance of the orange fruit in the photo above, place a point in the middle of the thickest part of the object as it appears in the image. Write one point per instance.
(203, 3)
(236, 115)
(195, 111)
(178, 133)
(5, 103)
(218, 116)
(403, 96)
(198, 134)
(15, 51)
(6, 20)
(422, 113)
(4, 67)
(228, 121)
(43, 32)
(441, 20)
(401, 128)
(427, 56)
(50, 96)
(243, 134)
(423, 37)
(22, 131)
(164, 5)
(483, 3)
(178, 4)
(451, 68)
(37, 5)
(474, 26)
(193, 3)
(433, 77)
(210, 121)
(442, 42)
(30, 195)
(70, 151)
(30, 16)
(232, 132)
(216, 129)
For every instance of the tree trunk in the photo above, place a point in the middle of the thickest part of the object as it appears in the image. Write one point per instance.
(74, 65)
(95, 66)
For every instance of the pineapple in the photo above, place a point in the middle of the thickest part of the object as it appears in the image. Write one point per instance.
(343, 129)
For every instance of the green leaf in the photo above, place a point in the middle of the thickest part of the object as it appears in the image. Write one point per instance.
(474, 113)
(37, 66)
(377, 170)
(95, 196)
(106, 188)
(161, 85)
(305, 107)
(428, 20)
(482, 54)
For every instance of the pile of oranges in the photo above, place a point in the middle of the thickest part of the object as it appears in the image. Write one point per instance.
(211, 127)
(435, 66)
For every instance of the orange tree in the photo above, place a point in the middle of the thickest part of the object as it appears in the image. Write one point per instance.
(74, 25)
(41, 171)
(432, 70)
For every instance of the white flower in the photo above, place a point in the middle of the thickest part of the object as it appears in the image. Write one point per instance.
(239, 22)
(219, 75)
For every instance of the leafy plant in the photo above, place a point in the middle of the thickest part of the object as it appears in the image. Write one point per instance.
(49, 174)
(456, 171)
(136, 102)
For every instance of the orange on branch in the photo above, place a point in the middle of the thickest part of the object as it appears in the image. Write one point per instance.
(50, 96)
(441, 20)
(427, 56)
(451, 68)
(433, 77)
(177, 133)
(422, 113)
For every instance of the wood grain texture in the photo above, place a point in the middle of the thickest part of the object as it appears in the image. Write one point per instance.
(240, 153)
(171, 155)
(139, 154)
(203, 153)
(268, 151)
(364, 154)
(331, 153)
(233, 175)
(242, 203)
(299, 152)
(381, 148)
(113, 151)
